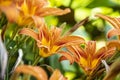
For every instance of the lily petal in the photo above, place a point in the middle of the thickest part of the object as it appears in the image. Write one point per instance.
(105, 52)
(11, 12)
(53, 11)
(39, 21)
(109, 52)
(57, 76)
(114, 21)
(44, 33)
(100, 52)
(5, 2)
(114, 43)
(56, 32)
(66, 56)
(113, 32)
(37, 72)
(91, 47)
(77, 51)
(70, 40)
(29, 32)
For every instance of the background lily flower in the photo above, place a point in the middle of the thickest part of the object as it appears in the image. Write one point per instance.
(114, 21)
(50, 40)
(88, 58)
(37, 72)
(5, 2)
(9, 9)
(27, 12)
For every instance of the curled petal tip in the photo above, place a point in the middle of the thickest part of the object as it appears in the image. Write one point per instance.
(113, 32)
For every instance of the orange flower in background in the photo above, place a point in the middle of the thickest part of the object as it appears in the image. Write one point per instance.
(37, 72)
(27, 12)
(5, 2)
(50, 40)
(114, 21)
(87, 57)
(9, 9)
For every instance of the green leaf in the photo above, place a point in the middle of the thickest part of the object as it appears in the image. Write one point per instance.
(96, 3)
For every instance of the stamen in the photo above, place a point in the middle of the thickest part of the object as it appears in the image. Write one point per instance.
(106, 65)
(19, 59)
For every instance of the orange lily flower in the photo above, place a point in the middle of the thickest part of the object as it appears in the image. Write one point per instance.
(114, 21)
(37, 72)
(26, 12)
(88, 58)
(50, 40)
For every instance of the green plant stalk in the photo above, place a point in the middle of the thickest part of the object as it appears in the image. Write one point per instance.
(3, 32)
(36, 61)
(13, 35)
(14, 76)
(26, 77)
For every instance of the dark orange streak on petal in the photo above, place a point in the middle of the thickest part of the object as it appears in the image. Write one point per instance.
(100, 52)
(110, 52)
(55, 32)
(91, 47)
(74, 51)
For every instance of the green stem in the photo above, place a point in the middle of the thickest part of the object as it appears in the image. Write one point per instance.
(88, 77)
(3, 32)
(14, 76)
(26, 77)
(36, 61)
(13, 35)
